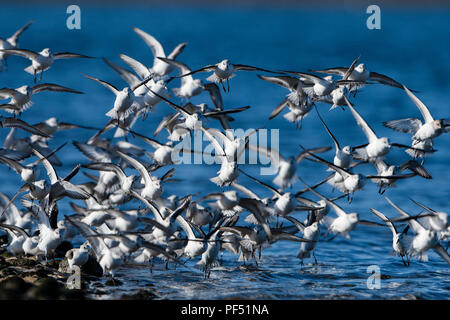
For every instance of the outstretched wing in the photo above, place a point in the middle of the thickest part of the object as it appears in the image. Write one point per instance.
(422, 107)
(14, 39)
(53, 87)
(69, 55)
(105, 84)
(409, 125)
(22, 52)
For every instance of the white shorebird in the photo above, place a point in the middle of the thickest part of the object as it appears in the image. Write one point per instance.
(195, 246)
(200, 215)
(360, 73)
(229, 168)
(343, 156)
(296, 95)
(159, 68)
(164, 154)
(310, 232)
(125, 181)
(392, 173)
(209, 257)
(152, 186)
(78, 256)
(190, 87)
(28, 173)
(285, 202)
(20, 98)
(336, 98)
(11, 43)
(401, 242)
(144, 100)
(422, 133)
(61, 187)
(438, 221)
(344, 223)
(41, 61)
(377, 147)
(125, 102)
(192, 117)
(317, 86)
(349, 183)
(424, 240)
(16, 239)
(234, 147)
(342, 179)
(227, 202)
(223, 71)
(49, 237)
(108, 259)
(286, 168)
(12, 216)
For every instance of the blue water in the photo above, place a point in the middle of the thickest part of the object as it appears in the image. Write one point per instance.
(412, 47)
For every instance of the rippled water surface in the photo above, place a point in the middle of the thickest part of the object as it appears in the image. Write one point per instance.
(412, 47)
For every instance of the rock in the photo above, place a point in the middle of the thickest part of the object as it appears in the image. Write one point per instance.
(6, 254)
(60, 251)
(3, 239)
(63, 266)
(5, 272)
(92, 268)
(113, 282)
(41, 271)
(45, 288)
(13, 288)
(22, 261)
(140, 295)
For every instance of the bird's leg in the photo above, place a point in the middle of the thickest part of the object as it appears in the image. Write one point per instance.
(40, 76)
(404, 263)
(315, 259)
(228, 85)
(34, 72)
(223, 86)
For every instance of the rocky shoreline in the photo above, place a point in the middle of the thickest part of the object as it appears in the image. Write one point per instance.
(27, 278)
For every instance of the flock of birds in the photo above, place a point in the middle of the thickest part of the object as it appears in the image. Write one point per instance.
(126, 219)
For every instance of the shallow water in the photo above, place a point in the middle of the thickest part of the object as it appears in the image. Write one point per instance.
(411, 47)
